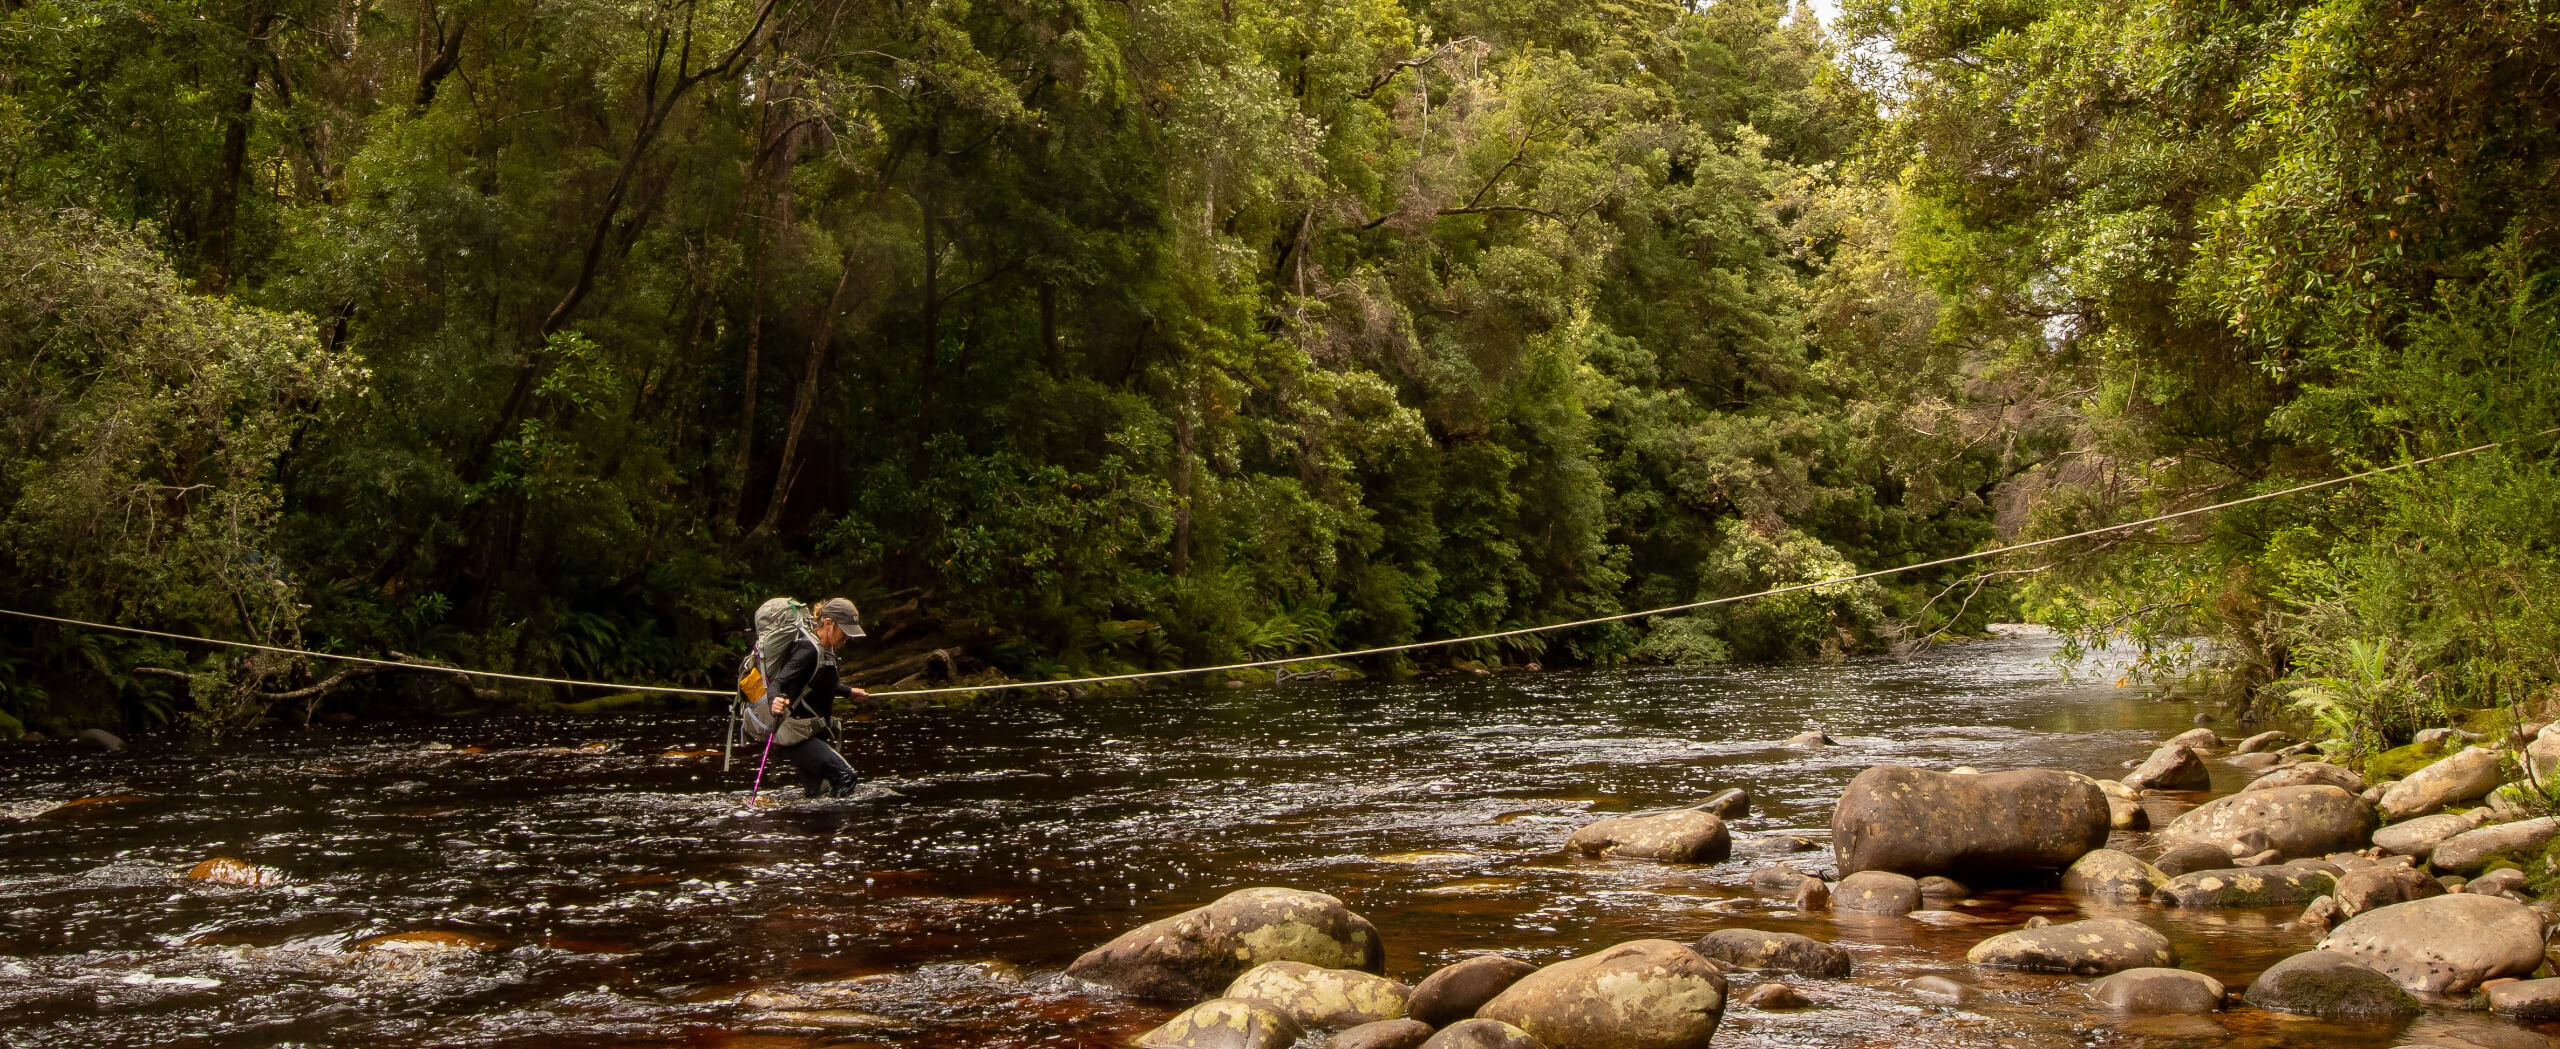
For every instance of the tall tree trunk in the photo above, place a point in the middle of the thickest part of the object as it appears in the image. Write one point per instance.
(222, 209)
(932, 361)
(787, 469)
(1049, 331)
(1181, 492)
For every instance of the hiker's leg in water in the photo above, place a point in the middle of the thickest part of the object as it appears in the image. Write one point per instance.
(822, 770)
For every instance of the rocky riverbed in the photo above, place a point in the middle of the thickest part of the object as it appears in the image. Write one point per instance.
(597, 883)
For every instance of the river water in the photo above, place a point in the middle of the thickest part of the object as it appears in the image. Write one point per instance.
(596, 882)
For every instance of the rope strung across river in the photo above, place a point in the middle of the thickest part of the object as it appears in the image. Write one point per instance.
(1350, 654)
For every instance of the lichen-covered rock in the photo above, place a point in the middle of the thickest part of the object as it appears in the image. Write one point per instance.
(1646, 994)
(2368, 888)
(2172, 767)
(1678, 836)
(1730, 803)
(1384, 1034)
(2419, 837)
(1321, 999)
(1223, 1023)
(2310, 774)
(2111, 875)
(1914, 821)
(1882, 893)
(1483, 1034)
(2472, 851)
(2158, 992)
(2089, 948)
(2127, 814)
(2461, 777)
(2295, 821)
(2446, 944)
(2278, 886)
(1753, 949)
(2331, 986)
(1195, 954)
(1459, 989)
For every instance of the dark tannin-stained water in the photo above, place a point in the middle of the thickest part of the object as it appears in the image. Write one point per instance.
(605, 887)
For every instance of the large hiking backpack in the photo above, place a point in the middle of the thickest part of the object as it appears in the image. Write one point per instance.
(779, 622)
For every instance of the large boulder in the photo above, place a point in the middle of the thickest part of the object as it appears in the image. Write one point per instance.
(2470, 774)
(1483, 1034)
(1914, 821)
(1198, 952)
(2111, 875)
(1753, 949)
(2446, 944)
(1645, 994)
(2472, 851)
(2419, 837)
(2158, 992)
(2294, 821)
(2542, 756)
(1459, 989)
(2331, 986)
(1321, 999)
(2196, 739)
(1677, 836)
(2282, 886)
(2310, 774)
(1224, 1023)
(2172, 767)
(2089, 948)
(1384, 1034)
(2381, 885)
(1881, 893)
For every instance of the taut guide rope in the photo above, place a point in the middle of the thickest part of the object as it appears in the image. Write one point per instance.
(1351, 654)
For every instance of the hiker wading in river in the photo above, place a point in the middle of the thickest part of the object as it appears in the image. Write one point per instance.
(798, 674)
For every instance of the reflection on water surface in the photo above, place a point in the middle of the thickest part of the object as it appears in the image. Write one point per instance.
(576, 894)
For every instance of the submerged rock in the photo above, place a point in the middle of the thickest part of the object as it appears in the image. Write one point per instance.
(2172, 767)
(2295, 821)
(1807, 740)
(2532, 1001)
(2158, 992)
(1941, 989)
(223, 870)
(1877, 892)
(1786, 951)
(1646, 994)
(1812, 895)
(1321, 998)
(1459, 989)
(1484, 1034)
(101, 739)
(2089, 948)
(1678, 836)
(2279, 886)
(1778, 879)
(2446, 944)
(1224, 1023)
(2331, 986)
(1775, 997)
(1194, 954)
(1384, 1034)
(1913, 821)
(2310, 774)
(2470, 774)
(2108, 874)
(2472, 851)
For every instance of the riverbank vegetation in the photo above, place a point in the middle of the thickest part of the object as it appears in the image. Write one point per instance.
(1072, 337)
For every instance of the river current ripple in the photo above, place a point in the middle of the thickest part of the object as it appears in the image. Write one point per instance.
(597, 882)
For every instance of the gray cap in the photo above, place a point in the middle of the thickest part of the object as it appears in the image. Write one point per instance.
(841, 612)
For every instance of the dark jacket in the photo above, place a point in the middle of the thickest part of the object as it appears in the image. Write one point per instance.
(807, 679)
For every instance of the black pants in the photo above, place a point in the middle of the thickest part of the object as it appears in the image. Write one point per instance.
(822, 770)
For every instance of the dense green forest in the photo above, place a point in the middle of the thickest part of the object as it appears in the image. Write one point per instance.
(1070, 335)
